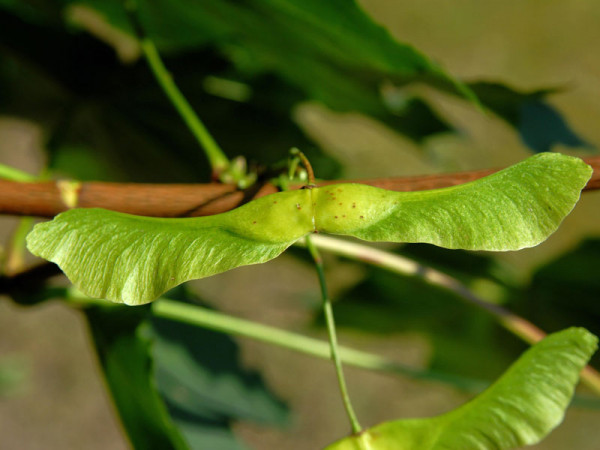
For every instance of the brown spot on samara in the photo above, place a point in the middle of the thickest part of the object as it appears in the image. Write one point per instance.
(274, 201)
(335, 217)
(340, 204)
(362, 217)
(254, 223)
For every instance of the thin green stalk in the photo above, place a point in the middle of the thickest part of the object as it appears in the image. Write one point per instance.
(515, 324)
(13, 174)
(16, 253)
(218, 161)
(327, 309)
(217, 158)
(222, 323)
(15, 260)
(356, 428)
(216, 321)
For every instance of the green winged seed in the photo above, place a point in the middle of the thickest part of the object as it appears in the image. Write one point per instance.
(521, 408)
(133, 259)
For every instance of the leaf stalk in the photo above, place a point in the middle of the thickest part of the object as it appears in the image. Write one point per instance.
(216, 157)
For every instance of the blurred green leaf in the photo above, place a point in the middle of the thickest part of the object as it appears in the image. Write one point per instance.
(316, 42)
(176, 385)
(329, 53)
(111, 121)
(540, 125)
(521, 408)
(332, 53)
(565, 291)
(124, 352)
(200, 378)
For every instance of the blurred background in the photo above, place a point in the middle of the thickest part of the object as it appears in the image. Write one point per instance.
(76, 101)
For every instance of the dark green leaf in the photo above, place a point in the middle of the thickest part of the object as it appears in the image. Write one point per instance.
(109, 121)
(332, 53)
(540, 125)
(199, 375)
(124, 352)
(565, 291)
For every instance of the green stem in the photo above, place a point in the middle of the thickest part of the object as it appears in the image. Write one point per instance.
(216, 321)
(356, 428)
(222, 323)
(218, 161)
(15, 260)
(217, 158)
(515, 324)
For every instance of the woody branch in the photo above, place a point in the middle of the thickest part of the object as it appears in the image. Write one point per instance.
(47, 198)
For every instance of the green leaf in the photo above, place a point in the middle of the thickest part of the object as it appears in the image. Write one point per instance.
(331, 52)
(205, 387)
(109, 121)
(340, 54)
(133, 259)
(124, 352)
(540, 125)
(521, 408)
(565, 291)
(199, 373)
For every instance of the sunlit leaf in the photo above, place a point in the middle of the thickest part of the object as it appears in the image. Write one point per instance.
(515, 208)
(521, 408)
(134, 259)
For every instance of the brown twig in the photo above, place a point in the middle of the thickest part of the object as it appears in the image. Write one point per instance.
(46, 199)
